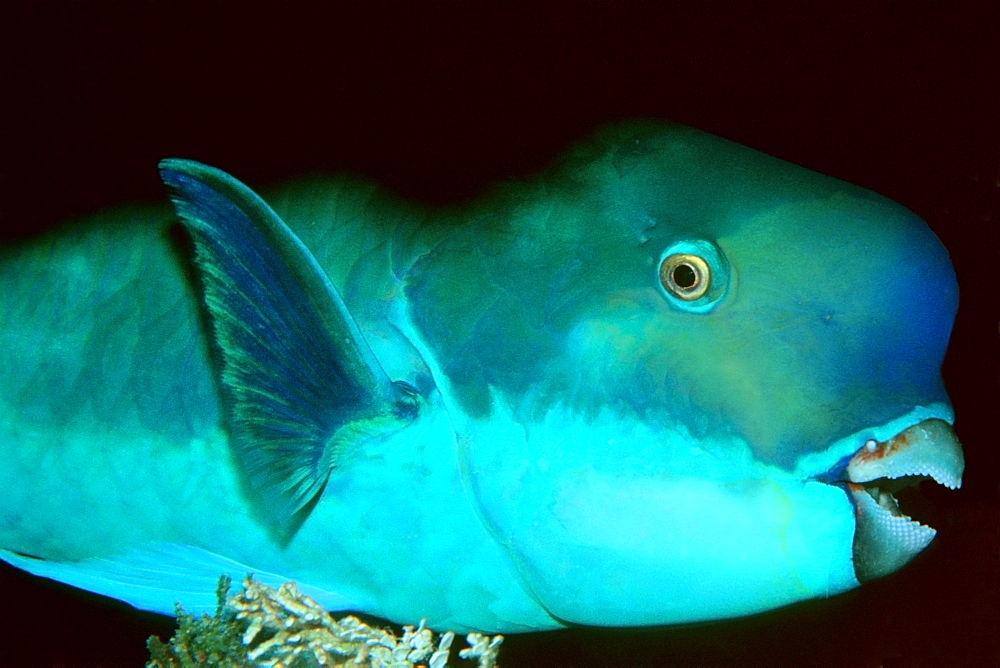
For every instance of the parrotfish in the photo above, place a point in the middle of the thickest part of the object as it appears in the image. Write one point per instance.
(669, 379)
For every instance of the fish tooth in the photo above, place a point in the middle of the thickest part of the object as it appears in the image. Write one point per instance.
(928, 448)
(885, 540)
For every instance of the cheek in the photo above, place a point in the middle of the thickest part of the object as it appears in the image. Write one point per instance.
(613, 521)
(624, 551)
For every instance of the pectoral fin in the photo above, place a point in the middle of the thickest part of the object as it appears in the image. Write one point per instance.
(297, 371)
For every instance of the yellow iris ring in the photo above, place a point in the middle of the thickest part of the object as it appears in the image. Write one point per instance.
(685, 276)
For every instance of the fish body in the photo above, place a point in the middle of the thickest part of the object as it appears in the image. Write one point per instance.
(667, 380)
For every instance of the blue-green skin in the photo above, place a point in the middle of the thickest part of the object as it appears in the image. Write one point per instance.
(589, 448)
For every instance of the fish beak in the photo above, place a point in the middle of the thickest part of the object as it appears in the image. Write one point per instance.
(885, 538)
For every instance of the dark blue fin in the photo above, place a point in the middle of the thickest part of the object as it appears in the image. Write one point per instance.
(301, 381)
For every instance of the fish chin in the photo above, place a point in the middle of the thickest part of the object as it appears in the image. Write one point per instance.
(886, 538)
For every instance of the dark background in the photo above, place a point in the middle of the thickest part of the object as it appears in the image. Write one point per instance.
(439, 101)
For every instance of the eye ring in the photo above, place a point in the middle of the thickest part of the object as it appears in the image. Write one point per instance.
(685, 276)
(694, 275)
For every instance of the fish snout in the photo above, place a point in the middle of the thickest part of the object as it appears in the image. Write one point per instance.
(886, 538)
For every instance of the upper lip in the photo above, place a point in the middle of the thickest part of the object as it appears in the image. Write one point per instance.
(928, 448)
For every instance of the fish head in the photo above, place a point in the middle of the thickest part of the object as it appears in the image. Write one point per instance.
(720, 367)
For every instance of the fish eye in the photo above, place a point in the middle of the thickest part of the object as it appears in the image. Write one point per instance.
(685, 276)
(694, 275)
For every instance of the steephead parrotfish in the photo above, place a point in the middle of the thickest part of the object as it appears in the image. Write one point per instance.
(670, 379)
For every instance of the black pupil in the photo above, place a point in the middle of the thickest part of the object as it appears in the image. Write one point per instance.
(684, 276)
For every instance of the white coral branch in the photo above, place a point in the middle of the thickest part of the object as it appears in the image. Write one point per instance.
(283, 624)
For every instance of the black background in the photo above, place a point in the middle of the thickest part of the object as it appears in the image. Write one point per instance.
(439, 101)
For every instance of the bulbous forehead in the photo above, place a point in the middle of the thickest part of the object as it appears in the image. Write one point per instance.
(839, 303)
